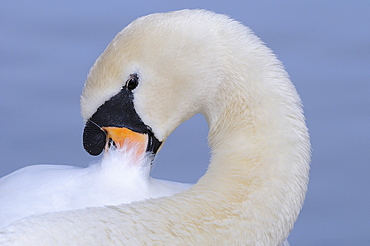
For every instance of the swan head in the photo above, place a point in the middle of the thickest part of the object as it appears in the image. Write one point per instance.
(155, 74)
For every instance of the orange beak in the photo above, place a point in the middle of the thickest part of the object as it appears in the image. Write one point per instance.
(124, 137)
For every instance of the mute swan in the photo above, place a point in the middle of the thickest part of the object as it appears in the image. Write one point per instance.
(122, 176)
(188, 62)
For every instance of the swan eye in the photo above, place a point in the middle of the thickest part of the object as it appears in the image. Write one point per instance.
(132, 82)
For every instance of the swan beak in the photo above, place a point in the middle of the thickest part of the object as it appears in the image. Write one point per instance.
(120, 137)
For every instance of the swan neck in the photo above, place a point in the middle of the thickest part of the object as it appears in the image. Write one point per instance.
(260, 154)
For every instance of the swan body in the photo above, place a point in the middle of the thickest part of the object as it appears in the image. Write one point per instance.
(118, 178)
(189, 62)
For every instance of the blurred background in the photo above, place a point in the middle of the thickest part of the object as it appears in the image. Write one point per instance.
(48, 47)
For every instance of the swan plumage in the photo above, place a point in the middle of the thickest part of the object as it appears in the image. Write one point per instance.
(120, 177)
(189, 62)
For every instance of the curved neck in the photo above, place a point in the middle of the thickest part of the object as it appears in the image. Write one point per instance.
(260, 157)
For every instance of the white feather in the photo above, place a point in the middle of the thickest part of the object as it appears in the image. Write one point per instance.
(120, 177)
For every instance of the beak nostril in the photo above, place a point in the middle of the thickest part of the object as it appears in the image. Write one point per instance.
(111, 143)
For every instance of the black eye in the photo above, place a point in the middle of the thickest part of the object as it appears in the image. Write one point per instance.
(132, 82)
